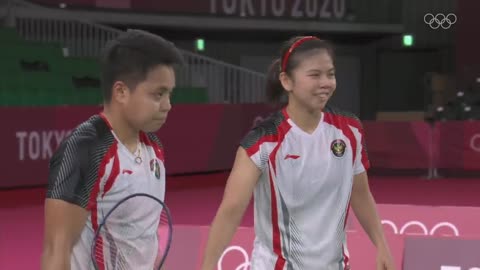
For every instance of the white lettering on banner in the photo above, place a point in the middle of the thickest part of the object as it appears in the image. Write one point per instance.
(46, 138)
(339, 8)
(264, 8)
(311, 8)
(229, 9)
(278, 9)
(213, 6)
(323, 9)
(34, 145)
(325, 12)
(296, 11)
(21, 144)
(247, 8)
(424, 229)
(243, 266)
(475, 142)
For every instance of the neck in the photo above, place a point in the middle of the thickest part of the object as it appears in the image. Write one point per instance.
(306, 120)
(125, 133)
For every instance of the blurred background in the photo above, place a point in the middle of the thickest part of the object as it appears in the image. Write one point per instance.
(409, 69)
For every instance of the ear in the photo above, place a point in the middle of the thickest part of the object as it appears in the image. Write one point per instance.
(120, 92)
(286, 81)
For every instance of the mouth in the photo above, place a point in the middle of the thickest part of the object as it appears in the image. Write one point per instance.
(322, 95)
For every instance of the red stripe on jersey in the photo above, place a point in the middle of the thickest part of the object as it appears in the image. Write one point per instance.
(277, 245)
(283, 127)
(254, 148)
(92, 202)
(113, 173)
(342, 122)
(356, 124)
(158, 152)
(346, 259)
(102, 115)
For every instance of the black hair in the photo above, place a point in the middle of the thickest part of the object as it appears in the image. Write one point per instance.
(274, 88)
(131, 56)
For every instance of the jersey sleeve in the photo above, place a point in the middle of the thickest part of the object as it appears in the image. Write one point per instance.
(68, 174)
(362, 162)
(255, 148)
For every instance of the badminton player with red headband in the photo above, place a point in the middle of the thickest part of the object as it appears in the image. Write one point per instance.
(306, 165)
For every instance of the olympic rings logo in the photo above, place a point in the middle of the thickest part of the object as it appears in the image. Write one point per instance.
(423, 228)
(440, 20)
(473, 142)
(243, 266)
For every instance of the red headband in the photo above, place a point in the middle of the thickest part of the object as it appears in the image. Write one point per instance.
(293, 47)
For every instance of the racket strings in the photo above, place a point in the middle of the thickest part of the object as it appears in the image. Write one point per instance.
(134, 234)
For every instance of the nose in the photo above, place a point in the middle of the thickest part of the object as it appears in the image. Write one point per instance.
(166, 105)
(326, 82)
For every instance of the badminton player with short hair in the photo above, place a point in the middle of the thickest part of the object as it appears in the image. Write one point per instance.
(306, 165)
(112, 155)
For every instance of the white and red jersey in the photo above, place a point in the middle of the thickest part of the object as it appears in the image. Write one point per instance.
(303, 195)
(94, 170)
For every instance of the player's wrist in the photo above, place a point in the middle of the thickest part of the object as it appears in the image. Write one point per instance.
(382, 245)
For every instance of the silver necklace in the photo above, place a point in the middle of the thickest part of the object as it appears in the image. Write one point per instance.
(138, 158)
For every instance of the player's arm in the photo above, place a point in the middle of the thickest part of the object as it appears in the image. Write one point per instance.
(66, 201)
(362, 201)
(364, 206)
(64, 223)
(237, 195)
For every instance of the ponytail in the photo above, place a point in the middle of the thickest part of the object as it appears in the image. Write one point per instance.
(274, 88)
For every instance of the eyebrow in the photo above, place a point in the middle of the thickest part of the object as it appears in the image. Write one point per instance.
(164, 89)
(318, 70)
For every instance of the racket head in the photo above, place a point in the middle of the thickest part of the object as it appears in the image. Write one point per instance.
(127, 236)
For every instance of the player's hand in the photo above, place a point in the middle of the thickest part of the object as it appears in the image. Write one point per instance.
(385, 260)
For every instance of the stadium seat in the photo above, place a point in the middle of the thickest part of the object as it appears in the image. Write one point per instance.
(184, 95)
(38, 74)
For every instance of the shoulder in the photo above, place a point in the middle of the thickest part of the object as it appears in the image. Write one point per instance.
(267, 130)
(342, 118)
(153, 138)
(74, 166)
(84, 136)
(150, 139)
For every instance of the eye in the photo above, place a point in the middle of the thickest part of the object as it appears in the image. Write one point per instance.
(157, 95)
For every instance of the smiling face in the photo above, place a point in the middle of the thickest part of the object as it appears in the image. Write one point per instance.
(312, 82)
